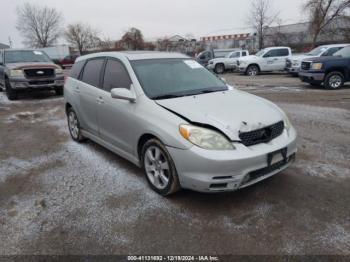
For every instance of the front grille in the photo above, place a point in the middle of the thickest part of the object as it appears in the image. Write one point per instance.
(288, 63)
(49, 82)
(263, 135)
(268, 170)
(306, 65)
(39, 72)
(238, 63)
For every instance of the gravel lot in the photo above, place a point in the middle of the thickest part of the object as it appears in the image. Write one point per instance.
(60, 197)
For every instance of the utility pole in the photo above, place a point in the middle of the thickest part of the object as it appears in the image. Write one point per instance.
(10, 42)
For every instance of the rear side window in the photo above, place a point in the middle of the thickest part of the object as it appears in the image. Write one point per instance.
(116, 76)
(244, 53)
(76, 69)
(92, 72)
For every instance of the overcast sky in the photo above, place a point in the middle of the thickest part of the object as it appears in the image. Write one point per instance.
(155, 18)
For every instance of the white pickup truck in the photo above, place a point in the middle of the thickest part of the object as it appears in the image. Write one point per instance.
(266, 60)
(229, 62)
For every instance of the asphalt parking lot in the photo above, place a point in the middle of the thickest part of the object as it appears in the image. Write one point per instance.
(60, 197)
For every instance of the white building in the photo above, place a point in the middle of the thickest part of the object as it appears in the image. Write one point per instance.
(230, 39)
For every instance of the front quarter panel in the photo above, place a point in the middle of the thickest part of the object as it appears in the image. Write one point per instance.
(157, 121)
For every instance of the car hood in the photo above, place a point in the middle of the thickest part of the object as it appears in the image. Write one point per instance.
(325, 59)
(231, 112)
(30, 65)
(299, 57)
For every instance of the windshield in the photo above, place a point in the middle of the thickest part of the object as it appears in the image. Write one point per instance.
(345, 52)
(170, 78)
(260, 53)
(25, 56)
(317, 51)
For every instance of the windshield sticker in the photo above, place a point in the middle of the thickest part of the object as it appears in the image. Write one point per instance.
(38, 53)
(193, 64)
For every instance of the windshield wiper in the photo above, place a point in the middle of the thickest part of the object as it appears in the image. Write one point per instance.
(166, 97)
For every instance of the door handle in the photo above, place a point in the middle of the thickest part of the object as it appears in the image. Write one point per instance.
(77, 89)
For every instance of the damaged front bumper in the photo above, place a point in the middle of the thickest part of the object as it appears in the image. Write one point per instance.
(217, 171)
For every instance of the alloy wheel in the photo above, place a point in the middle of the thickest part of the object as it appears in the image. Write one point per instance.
(252, 71)
(73, 125)
(335, 81)
(157, 167)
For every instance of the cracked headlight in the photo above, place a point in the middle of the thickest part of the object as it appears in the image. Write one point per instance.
(16, 73)
(205, 138)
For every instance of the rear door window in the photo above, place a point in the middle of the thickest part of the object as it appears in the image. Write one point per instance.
(116, 76)
(92, 72)
(76, 69)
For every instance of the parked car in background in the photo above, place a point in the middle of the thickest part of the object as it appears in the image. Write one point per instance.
(67, 61)
(229, 62)
(26, 70)
(266, 60)
(137, 105)
(293, 64)
(204, 57)
(330, 71)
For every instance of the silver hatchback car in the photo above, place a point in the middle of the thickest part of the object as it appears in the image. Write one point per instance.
(168, 114)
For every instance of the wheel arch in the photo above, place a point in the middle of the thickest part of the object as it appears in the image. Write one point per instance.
(337, 69)
(67, 107)
(142, 141)
(254, 64)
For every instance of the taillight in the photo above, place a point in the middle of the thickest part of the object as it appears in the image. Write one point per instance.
(65, 79)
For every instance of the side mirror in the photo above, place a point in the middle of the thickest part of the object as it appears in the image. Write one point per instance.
(124, 94)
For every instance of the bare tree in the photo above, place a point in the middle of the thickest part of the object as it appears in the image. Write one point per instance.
(133, 39)
(39, 25)
(322, 13)
(82, 36)
(261, 17)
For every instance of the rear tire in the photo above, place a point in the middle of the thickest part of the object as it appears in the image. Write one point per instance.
(10, 92)
(74, 126)
(219, 68)
(159, 168)
(334, 80)
(252, 70)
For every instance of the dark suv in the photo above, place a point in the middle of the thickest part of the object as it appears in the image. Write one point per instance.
(331, 72)
(25, 70)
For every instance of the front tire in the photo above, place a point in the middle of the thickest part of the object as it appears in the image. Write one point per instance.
(159, 168)
(219, 68)
(10, 92)
(252, 70)
(334, 80)
(74, 126)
